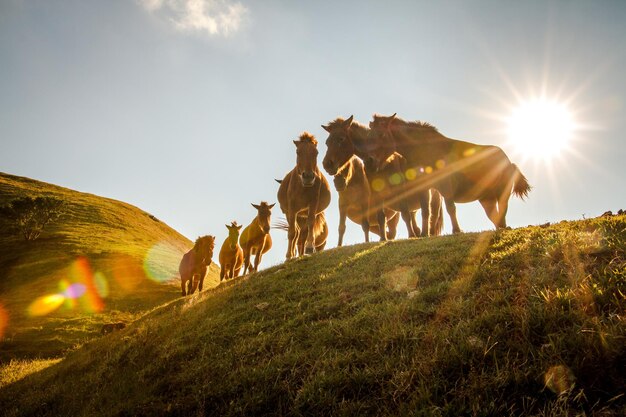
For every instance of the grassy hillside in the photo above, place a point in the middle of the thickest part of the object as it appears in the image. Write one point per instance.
(124, 257)
(521, 322)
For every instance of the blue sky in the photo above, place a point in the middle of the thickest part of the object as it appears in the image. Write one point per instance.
(188, 108)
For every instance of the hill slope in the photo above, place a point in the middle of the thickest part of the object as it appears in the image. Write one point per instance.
(123, 257)
(493, 323)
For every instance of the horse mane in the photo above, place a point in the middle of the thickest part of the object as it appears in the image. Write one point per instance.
(307, 137)
(338, 122)
(210, 239)
(414, 124)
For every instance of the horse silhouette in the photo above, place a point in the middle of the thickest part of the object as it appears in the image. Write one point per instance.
(348, 138)
(255, 238)
(231, 253)
(353, 187)
(194, 265)
(304, 192)
(461, 171)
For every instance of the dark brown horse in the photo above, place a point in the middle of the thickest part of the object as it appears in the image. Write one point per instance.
(304, 192)
(231, 253)
(255, 238)
(193, 267)
(461, 171)
(394, 184)
(348, 138)
(354, 192)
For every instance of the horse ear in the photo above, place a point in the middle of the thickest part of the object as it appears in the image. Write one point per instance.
(348, 122)
(326, 128)
(271, 205)
(256, 206)
(295, 142)
(393, 116)
(228, 227)
(239, 227)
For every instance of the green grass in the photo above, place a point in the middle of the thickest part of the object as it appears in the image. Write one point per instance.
(476, 324)
(134, 253)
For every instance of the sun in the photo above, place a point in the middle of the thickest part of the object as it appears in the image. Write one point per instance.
(540, 128)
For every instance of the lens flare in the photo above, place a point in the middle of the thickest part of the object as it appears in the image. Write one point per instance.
(127, 273)
(45, 305)
(101, 283)
(4, 320)
(81, 273)
(159, 260)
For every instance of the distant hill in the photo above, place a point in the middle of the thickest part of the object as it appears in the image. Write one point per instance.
(517, 322)
(107, 259)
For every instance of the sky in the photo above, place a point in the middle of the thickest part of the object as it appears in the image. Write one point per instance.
(188, 108)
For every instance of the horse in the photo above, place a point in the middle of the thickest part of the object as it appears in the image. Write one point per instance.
(461, 171)
(348, 138)
(393, 183)
(355, 196)
(320, 230)
(194, 265)
(231, 253)
(255, 238)
(304, 192)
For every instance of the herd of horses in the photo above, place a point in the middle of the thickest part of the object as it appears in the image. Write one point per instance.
(381, 172)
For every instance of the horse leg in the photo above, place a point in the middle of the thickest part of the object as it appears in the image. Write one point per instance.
(246, 262)
(416, 229)
(382, 224)
(503, 207)
(406, 216)
(182, 286)
(292, 235)
(259, 254)
(491, 210)
(232, 271)
(223, 273)
(201, 281)
(342, 225)
(392, 226)
(451, 209)
(424, 198)
(309, 246)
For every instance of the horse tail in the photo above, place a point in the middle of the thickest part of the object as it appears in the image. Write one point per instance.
(320, 224)
(281, 225)
(521, 187)
(436, 210)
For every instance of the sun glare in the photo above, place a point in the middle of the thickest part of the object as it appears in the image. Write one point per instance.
(540, 128)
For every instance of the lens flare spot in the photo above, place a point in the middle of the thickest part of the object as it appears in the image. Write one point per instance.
(469, 152)
(45, 305)
(4, 320)
(410, 174)
(101, 283)
(75, 290)
(161, 261)
(127, 273)
(428, 170)
(378, 185)
(559, 379)
(440, 163)
(81, 272)
(395, 179)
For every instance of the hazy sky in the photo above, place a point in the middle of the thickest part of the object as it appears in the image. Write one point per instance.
(188, 108)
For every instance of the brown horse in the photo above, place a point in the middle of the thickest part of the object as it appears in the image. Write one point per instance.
(355, 196)
(461, 171)
(304, 192)
(348, 138)
(193, 267)
(255, 238)
(393, 183)
(231, 254)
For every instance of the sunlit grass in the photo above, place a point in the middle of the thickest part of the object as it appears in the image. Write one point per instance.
(17, 369)
(521, 322)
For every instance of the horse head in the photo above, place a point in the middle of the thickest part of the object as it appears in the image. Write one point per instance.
(306, 159)
(233, 234)
(339, 144)
(380, 142)
(264, 211)
(204, 248)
